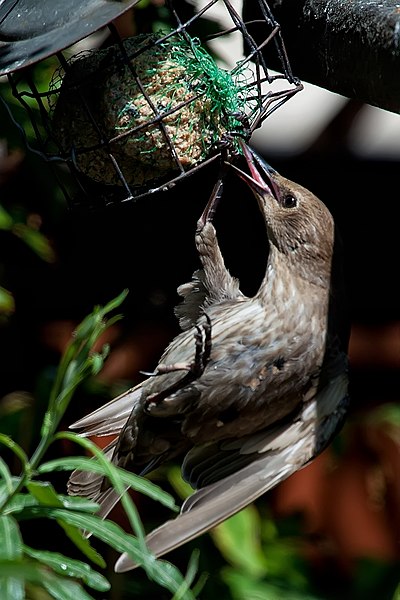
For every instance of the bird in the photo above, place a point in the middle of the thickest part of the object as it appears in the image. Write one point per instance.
(253, 388)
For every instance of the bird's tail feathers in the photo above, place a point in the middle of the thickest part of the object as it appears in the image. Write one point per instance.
(110, 418)
(213, 504)
(89, 485)
(280, 456)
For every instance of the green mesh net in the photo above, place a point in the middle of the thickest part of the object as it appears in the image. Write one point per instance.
(160, 105)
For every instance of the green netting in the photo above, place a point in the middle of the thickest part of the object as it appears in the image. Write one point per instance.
(165, 105)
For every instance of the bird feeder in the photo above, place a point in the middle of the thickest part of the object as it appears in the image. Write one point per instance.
(136, 115)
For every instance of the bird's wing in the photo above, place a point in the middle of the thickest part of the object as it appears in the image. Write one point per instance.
(106, 420)
(281, 451)
(110, 418)
(120, 417)
(89, 485)
(210, 285)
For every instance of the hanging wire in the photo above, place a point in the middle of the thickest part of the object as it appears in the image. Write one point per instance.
(141, 152)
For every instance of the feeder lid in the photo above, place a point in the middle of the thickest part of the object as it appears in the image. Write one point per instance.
(32, 30)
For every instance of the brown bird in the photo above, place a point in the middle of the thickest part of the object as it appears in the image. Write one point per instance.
(253, 388)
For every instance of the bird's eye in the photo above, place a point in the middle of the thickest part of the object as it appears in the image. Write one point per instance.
(289, 201)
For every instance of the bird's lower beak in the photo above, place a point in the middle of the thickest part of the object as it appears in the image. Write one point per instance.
(260, 179)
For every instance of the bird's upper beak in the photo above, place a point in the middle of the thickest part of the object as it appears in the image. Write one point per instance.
(260, 180)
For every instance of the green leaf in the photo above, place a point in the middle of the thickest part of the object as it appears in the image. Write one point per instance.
(6, 220)
(97, 360)
(140, 484)
(112, 475)
(36, 241)
(389, 414)
(189, 578)
(396, 595)
(12, 585)
(70, 567)
(244, 587)
(238, 540)
(18, 503)
(7, 303)
(10, 536)
(59, 588)
(94, 323)
(44, 493)
(76, 536)
(47, 496)
(16, 448)
(162, 572)
(6, 478)
(181, 487)
(105, 530)
(76, 364)
(79, 504)
(21, 501)
(64, 589)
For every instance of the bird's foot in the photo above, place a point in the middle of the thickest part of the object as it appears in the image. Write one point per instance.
(203, 347)
(208, 213)
(194, 369)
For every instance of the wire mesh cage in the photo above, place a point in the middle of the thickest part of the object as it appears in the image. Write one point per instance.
(140, 113)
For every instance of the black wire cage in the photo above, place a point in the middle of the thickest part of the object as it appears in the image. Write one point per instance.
(136, 115)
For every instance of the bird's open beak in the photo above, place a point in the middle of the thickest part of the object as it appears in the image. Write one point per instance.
(260, 179)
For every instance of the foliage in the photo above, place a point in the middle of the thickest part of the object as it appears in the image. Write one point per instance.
(27, 496)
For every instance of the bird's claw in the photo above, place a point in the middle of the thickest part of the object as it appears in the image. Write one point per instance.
(194, 370)
(203, 347)
(208, 213)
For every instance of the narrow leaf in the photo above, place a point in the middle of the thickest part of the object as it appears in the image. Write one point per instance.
(239, 541)
(44, 492)
(77, 537)
(58, 587)
(47, 496)
(79, 504)
(140, 484)
(64, 589)
(112, 475)
(163, 572)
(36, 241)
(105, 530)
(72, 568)
(10, 536)
(21, 501)
(12, 587)
(6, 220)
(6, 477)
(7, 303)
(7, 441)
(18, 503)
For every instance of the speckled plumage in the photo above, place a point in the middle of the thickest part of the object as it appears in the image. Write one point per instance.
(274, 389)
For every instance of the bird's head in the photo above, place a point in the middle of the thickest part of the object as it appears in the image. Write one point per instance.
(298, 224)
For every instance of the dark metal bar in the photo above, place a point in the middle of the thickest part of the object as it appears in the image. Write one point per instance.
(348, 47)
